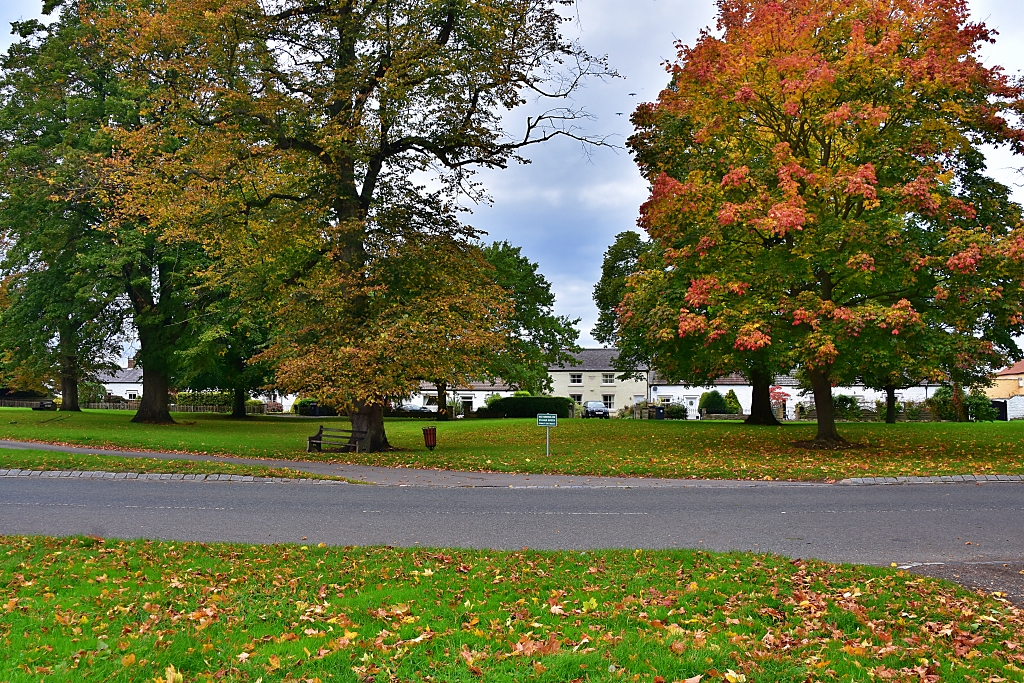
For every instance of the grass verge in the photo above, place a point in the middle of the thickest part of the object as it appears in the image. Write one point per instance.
(88, 609)
(50, 461)
(672, 449)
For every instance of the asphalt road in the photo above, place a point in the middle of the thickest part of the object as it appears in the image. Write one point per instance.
(873, 524)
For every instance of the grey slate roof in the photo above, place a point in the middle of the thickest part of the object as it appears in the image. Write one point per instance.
(121, 376)
(590, 360)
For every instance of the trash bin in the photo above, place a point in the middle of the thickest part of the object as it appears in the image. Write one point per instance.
(430, 437)
(659, 413)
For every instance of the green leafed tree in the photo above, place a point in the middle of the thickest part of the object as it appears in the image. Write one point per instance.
(63, 312)
(538, 337)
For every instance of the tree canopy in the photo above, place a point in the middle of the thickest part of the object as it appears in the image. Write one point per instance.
(819, 187)
(285, 138)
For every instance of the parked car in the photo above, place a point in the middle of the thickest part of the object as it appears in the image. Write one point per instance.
(413, 408)
(595, 409)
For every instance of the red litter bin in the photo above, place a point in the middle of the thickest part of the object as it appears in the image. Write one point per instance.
(430, 437)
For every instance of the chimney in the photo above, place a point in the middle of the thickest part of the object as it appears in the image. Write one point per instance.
(131, 363)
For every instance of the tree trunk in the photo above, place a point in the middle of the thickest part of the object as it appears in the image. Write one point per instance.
(828, 435)
(238, 405)
(155, 349)
(69, 384)
(761, 401)
(442, 401)
(370, 419)
(154, 407)
(890, 404)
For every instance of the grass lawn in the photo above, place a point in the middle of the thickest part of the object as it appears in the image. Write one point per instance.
(593, 447)
(87, 609)
(43, 460)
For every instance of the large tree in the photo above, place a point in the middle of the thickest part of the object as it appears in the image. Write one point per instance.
(818, 180)
(322, 113)
(63, 311)
(63, 203)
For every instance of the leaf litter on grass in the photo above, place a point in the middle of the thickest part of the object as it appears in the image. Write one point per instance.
(89, 609)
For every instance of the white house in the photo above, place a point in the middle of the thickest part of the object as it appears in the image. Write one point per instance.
(663, 392)
(472, 396)
(124, 382)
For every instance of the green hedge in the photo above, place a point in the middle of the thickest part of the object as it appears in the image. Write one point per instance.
(531, 406)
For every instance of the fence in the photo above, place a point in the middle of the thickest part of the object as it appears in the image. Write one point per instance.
(260, 409)
(20, 404)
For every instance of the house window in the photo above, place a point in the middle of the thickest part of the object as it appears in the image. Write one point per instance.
(609, 401)
(575, 378)
(664, 400)
(608, 378)
(132, 396)
(578, 398)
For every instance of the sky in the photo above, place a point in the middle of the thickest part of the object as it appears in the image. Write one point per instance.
(565, 208)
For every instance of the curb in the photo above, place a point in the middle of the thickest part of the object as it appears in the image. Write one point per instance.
(248, 479)
(954, 479)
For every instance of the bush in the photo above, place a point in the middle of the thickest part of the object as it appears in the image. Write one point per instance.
(712, 402)
(913, 409)
(675, 411)
(489, 401)
(530, 406)
(942, 404)
(979, 407)
(846, 407)
(310, 406)
(204, 398)
(733, 401)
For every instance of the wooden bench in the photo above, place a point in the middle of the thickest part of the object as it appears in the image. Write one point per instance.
(335, 439)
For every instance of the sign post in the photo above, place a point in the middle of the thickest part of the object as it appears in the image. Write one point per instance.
(547, 420)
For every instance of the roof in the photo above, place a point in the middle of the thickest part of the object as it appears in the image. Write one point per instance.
(498, 385)
(1015, 369)
(733, 380)
(590, 360)
(121, 376)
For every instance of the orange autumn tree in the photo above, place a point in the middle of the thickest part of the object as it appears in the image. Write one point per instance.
(819, 188)
(285, 136)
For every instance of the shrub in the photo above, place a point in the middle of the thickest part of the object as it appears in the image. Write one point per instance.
(310, 406)
(675, 411)
(521, 394)
(531, 406)
(733, 401)
(712, 402)
(943, 405)
(846, 407)
(979, 407)
(489, 401)
(204, 398)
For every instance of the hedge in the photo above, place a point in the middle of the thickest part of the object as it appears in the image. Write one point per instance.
(531, 406)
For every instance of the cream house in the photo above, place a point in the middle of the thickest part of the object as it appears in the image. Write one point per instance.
(593, 377)
(1008, 382)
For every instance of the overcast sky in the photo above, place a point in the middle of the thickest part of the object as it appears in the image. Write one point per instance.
(565, 208)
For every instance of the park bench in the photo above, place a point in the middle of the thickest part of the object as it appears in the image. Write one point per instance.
(335, 439)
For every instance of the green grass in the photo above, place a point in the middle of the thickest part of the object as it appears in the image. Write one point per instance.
(88, 609)
(49, 461)
(582, 447)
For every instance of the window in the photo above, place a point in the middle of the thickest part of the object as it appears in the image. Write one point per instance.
(575, 378)
(132, 396)
(609, 401)
(576, 397)
(664, 400)
(608, 378)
